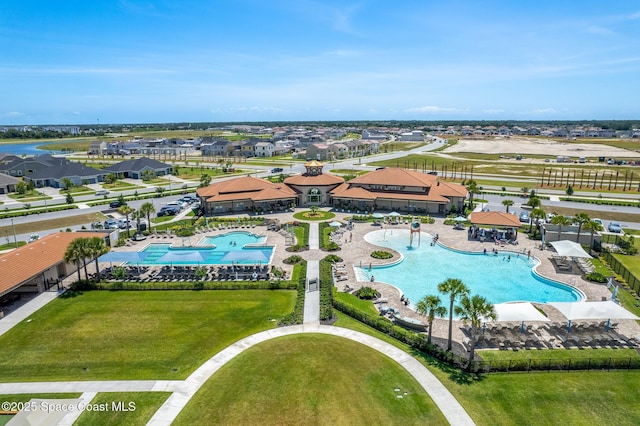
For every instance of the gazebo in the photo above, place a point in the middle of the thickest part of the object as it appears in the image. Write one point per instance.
(494, 219)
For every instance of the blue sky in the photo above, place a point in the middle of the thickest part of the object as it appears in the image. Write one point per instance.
(130, 61)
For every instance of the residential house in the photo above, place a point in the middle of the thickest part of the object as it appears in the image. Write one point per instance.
(8, 183)
(137, 168)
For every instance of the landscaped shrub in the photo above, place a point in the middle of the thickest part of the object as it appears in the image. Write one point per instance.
(333, 258)
(366, 293)
(332, 246)
(326, 290)
(381, 254)
(297, 316)
(292, 260)
(596, 277)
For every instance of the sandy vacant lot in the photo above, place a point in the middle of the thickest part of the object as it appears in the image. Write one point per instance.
(524, 146)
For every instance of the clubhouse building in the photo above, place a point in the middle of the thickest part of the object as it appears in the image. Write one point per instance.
(385, 189)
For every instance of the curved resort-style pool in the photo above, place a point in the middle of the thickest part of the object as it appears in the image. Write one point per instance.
(238, 247)
(498, 278)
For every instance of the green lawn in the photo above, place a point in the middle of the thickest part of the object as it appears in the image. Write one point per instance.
(556, 398)
(311, 379)
(141, 407)
(103, 335)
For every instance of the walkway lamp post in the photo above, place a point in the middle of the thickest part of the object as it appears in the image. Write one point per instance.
(15, 239)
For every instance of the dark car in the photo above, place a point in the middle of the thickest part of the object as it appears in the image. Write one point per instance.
(168, 211)
(277, 170)
(115, 204)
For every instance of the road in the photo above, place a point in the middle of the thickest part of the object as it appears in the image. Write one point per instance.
(495, 201)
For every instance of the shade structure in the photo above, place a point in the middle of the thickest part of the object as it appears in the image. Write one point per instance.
(460, 219)
(569, 249)
(377, 215)
(335, 223)
(593, 310)
(520, 311)
(245, 256)
(495, 219)
(394, 214)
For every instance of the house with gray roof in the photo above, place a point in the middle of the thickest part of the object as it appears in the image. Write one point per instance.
(135, 169)
(8, 183)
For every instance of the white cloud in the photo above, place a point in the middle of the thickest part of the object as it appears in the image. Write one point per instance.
(544, 111)
(13, 114)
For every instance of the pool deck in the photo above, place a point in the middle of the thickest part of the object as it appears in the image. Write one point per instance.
(356, 251)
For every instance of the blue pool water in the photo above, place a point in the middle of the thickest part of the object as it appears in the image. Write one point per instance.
(226, 249)
(494, 277)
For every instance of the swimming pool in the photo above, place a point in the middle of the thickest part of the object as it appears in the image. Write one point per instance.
(498, 278)
(226, 249)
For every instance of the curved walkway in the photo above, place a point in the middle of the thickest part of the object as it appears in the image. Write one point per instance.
(448, 405)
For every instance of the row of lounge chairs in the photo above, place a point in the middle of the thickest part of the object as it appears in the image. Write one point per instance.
(339, 272)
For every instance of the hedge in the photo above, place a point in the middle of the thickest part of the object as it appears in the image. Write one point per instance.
(411, 338)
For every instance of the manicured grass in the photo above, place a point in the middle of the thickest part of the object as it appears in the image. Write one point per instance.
(120, 185)
(57, 223)
(311, 379)
(141, 407)
(12, 245)
(31, 195)
(103, 335)
(314, 216)
(562, 398)
(360, 304)
(605, 353)
(567, 398)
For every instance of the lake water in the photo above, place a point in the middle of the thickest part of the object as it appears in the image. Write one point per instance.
(29, 148)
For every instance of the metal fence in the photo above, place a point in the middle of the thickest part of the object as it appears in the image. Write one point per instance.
(556, 364)
(621, 270)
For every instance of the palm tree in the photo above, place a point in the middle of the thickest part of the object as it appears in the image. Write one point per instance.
(148, 209)
(137, 215)
(561, 221)
(74, 254)
(472, 187)
(593, 227)
(454, 287)
(126, 211)
(536, 215)
(534, 202)
(581, 218)
(473, 311)
(430, 307)
(96, 248)
(507, 204)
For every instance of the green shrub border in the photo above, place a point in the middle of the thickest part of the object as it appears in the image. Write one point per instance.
(413, 339)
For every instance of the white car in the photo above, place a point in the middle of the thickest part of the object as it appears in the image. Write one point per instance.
(102, 192)
(34, 237)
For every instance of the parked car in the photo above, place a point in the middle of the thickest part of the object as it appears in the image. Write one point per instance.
(550, 216)
(188, 199)
(110, 224)
(524, 217)
(595, 219)
(277, 170)
(122, 223)
(34, 237)
(115, 204)
(168, 211)
(180, 205)
(615, 227)
(102, 192)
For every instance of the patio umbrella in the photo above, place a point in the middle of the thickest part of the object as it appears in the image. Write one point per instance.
(378, 215)
(394, 214)
(335, 223)
(460, 219)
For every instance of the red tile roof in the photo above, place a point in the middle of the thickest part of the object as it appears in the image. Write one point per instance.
(19, 265)
(494, 219)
